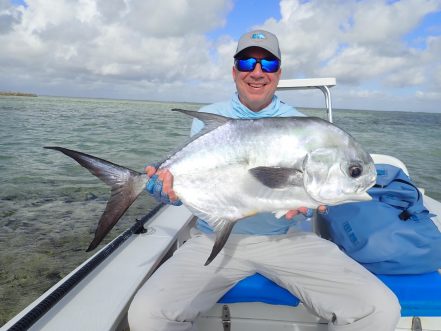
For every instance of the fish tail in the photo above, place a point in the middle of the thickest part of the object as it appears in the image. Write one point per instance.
(126, 185)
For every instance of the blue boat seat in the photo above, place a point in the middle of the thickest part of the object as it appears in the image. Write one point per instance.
(419, 295)
(258, 288)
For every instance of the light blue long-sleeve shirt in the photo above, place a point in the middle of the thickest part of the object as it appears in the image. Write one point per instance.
(263, 223)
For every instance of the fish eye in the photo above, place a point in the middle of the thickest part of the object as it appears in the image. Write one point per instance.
(355, 170)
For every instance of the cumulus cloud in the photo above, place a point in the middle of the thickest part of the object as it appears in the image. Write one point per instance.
(112, 41)
(160, 49)
(9, 15)
(351, 39)
(359, 41)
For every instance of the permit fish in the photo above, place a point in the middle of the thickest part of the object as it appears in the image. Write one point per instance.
(236, 168)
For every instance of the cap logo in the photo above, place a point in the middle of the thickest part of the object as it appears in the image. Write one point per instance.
(258, 36)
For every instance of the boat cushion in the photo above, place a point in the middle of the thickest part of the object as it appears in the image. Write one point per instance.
(258, 288)
(419, 295)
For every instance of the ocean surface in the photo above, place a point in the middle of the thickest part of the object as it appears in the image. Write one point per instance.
(49, 205)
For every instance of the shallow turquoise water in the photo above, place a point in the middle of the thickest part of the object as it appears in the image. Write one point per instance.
(49, 205)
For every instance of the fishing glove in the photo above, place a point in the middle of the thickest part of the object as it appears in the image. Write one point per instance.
(154, 187)
(310, 212)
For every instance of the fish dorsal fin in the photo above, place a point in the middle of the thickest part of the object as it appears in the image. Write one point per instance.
(278, 177)
(211, 121)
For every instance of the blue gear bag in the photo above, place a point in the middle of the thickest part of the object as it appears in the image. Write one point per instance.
(391, 234)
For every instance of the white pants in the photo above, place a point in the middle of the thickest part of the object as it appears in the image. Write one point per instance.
(328, 282)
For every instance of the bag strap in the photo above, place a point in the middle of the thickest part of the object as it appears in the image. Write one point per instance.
(394, 201)
(416, 211)
(409, 210)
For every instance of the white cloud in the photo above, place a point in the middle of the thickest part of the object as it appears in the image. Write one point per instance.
(9, 16)
(359, 42)
(173, 17)
(349, 38)
(160, 49)
(378, 23)
(113, 42)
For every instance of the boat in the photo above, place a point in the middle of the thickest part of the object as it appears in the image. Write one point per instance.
(97, 294)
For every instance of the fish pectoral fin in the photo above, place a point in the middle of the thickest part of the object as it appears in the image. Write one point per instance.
(223, 230)
(278, 177)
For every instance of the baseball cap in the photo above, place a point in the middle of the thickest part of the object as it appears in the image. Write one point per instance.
(259, 38)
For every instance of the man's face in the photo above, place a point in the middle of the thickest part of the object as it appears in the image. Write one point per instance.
(256, 88)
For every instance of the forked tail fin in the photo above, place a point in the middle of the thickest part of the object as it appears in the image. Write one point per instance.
(126, 185)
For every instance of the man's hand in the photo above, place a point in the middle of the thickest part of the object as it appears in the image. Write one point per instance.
(160, 185)
(305, 211)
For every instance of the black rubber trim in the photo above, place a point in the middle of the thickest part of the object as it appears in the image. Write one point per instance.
(51, 300)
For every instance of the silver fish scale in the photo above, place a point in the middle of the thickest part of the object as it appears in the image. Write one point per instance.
(211, 173)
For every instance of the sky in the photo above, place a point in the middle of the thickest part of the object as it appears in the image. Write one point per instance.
(385, 55)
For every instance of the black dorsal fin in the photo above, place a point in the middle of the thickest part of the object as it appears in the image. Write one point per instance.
(211, 121)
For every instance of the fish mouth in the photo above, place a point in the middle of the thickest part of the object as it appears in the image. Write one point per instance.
(361, 188)
(372, 182)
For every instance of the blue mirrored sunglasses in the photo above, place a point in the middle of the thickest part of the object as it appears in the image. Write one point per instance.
(268, 65)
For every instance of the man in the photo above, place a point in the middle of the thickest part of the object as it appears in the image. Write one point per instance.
(328, 282)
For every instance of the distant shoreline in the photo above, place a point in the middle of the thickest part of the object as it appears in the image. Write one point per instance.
(17, 94)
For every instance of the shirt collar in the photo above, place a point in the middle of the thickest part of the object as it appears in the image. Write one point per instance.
(242, 111)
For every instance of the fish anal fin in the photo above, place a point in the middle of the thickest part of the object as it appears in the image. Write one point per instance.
(278, 177)
(223, 231)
